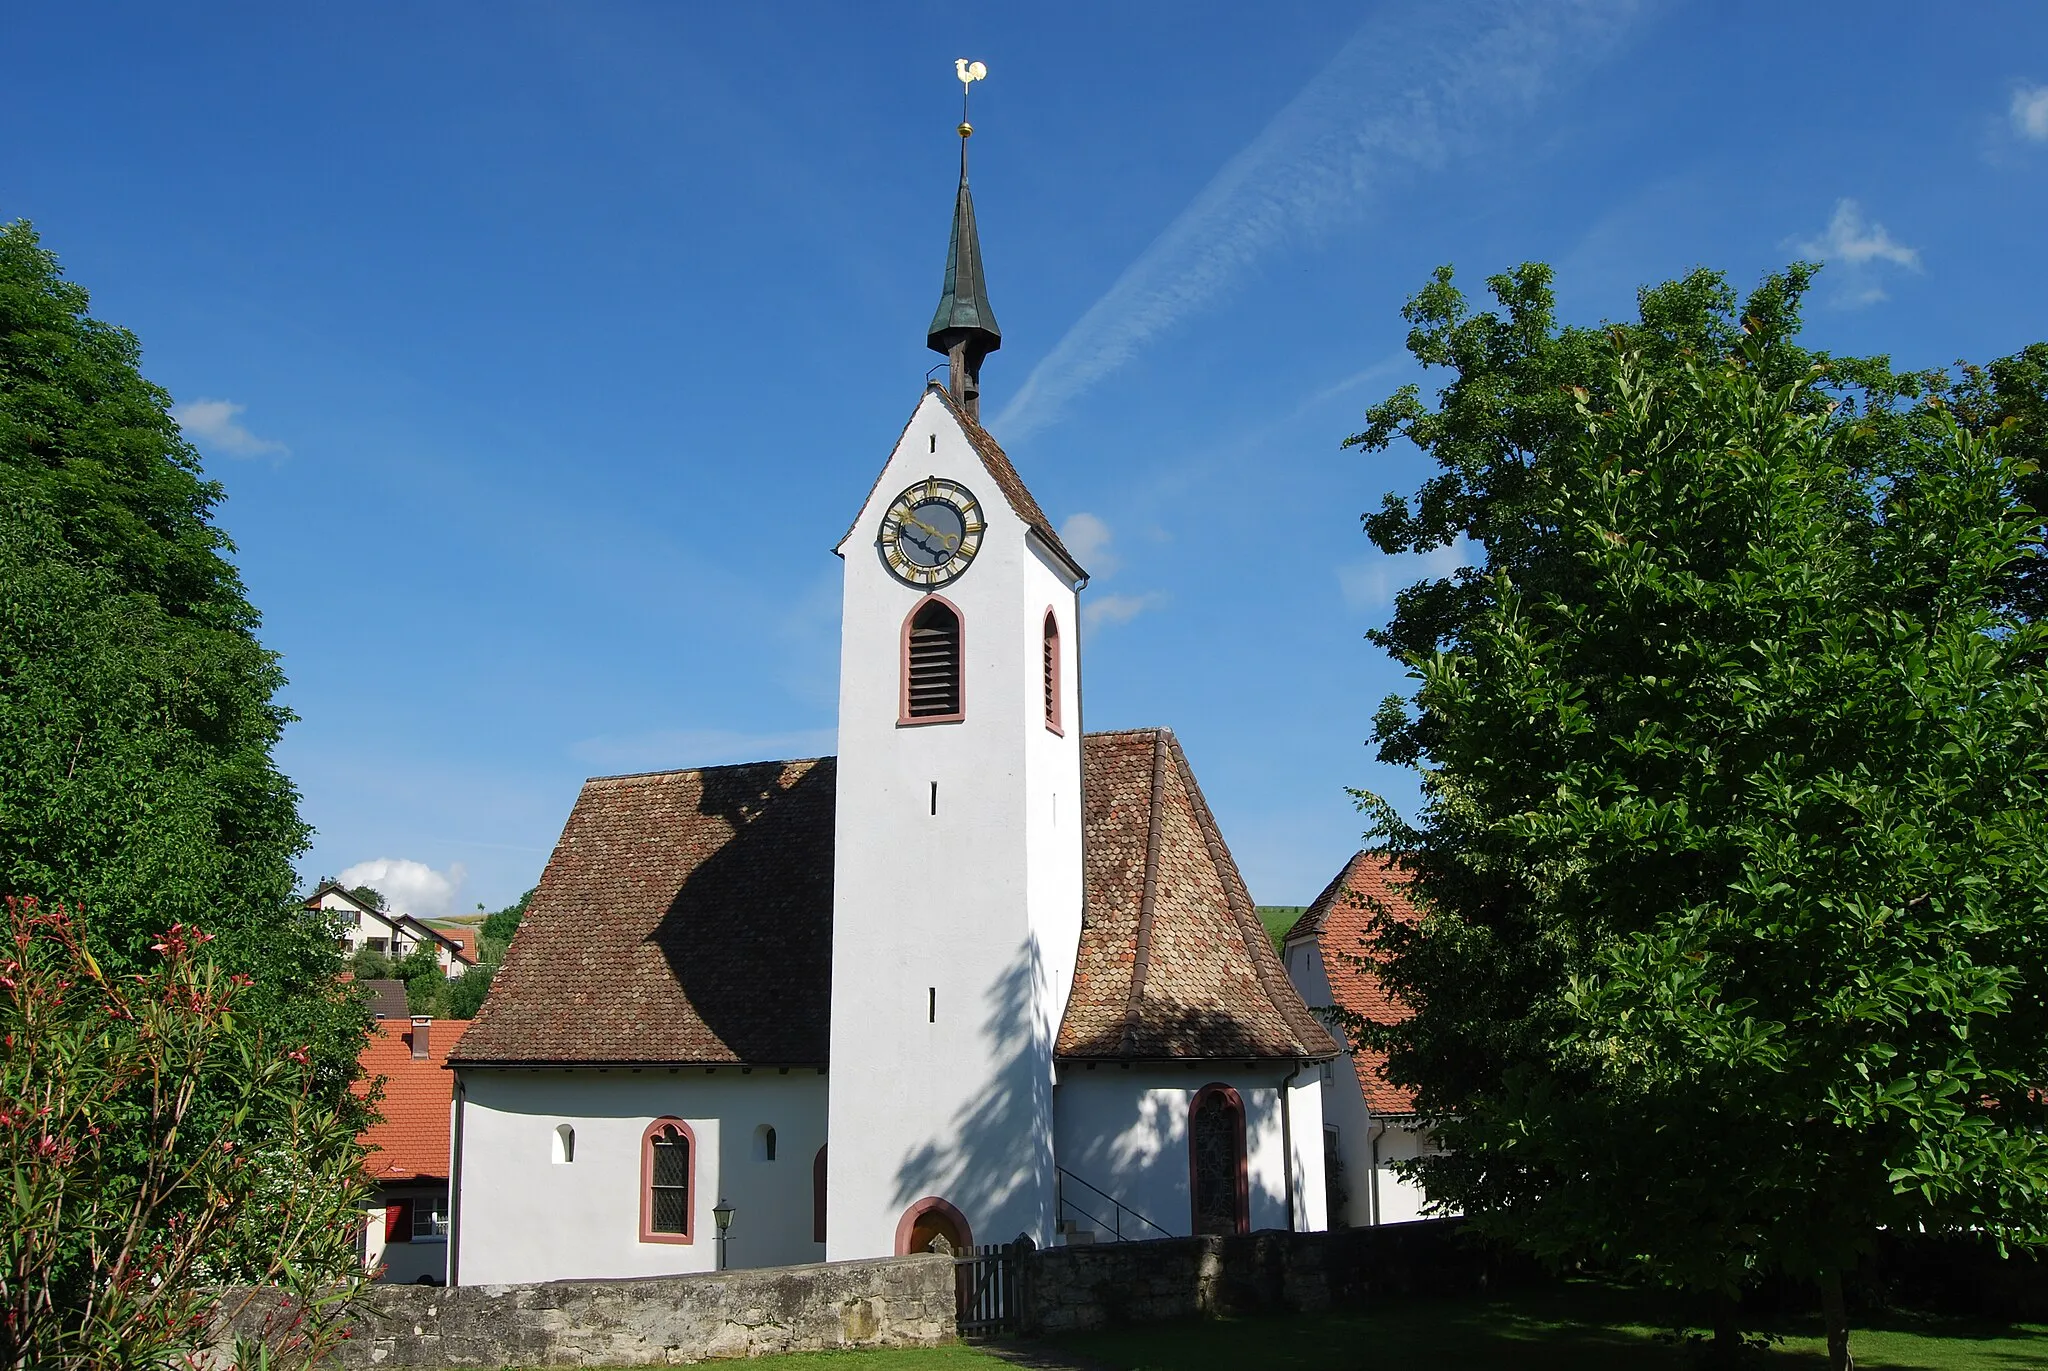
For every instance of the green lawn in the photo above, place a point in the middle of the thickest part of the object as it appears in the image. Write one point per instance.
(1278, 918)
(1582, 1328)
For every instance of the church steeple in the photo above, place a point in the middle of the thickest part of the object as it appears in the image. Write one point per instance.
(964, 326)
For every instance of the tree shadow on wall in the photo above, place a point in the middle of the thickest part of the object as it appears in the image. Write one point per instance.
(1150, 1136)
(748, 935)
(1000, 1149)
(1001, 1145)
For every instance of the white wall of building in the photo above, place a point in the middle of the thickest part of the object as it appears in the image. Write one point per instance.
(359, 928)
(523, 1215)
(1125, 1131)
(1367, 1142)
(953, 932)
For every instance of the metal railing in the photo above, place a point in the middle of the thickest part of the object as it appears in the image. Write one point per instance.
(1123, 1224)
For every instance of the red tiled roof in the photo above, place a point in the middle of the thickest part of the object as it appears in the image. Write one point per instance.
(1173, 962)
(1339, 921)
(686, 917)
(411, 1139)
(465, 937)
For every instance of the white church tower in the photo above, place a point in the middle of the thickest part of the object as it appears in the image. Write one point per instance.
(957, 880)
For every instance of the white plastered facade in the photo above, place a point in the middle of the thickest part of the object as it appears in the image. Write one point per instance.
(525, 1213)
(957, 886)
(1124, 1130)
(1367, 1143)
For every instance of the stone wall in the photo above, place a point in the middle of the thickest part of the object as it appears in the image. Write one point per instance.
(1107, 1284)
(661, 1320)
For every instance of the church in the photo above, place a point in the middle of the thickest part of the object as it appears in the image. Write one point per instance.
(980, 976)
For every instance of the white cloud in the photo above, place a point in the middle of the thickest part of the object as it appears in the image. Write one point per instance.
(1373, 583)
(2030, 113)
(688, 747)
(1412, 88)
(1088, 538)
(1102, 610)
(1858, 248)
(212, 423)
(407, 886)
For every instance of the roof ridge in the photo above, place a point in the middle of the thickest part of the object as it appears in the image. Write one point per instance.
(1311, 1036)
(1311, 920)
(1148, 902)
(648, 776)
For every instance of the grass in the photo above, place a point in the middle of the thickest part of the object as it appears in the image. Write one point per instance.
(1278, 918)
(1583, 1327)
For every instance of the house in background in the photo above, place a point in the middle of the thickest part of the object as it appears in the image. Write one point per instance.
(1368, 1121)
(406, 1231)
(384, 930)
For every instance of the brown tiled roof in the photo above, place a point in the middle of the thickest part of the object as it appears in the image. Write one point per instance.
(685, 917)
(1000, 469)
(1339, 921)
(410, 1139)
(386, 999)
(1173, 962)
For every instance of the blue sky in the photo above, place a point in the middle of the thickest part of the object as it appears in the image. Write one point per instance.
(545, 350)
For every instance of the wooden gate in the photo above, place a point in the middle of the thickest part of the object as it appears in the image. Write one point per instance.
(985, 1288)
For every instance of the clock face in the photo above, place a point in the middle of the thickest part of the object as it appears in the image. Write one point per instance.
(931, 532)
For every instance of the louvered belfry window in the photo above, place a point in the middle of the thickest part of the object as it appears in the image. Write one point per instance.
(931, 665)
(1052, 672)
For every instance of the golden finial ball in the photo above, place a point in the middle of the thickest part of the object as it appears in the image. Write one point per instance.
(966, 129)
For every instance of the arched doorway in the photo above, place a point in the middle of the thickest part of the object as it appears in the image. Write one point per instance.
(1216, 1162)
(930, 1218)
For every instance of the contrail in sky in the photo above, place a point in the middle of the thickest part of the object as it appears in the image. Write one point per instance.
(1410, 89)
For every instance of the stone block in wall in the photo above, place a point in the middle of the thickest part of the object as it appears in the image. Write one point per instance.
(1104, 1285)
(657, 1321)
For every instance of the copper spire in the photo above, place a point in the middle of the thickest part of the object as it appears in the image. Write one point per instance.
(964, 327)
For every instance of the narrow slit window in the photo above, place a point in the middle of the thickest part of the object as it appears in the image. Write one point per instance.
(931, 663)
(1052, 672)
(931, 1004)
(565, 1144)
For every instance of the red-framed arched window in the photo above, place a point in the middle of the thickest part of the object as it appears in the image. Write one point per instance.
(934, 663)
(668, 1182)
(1219, 1188)
(1052, 674)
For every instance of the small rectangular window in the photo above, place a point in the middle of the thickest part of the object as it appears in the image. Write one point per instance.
(932, 1005)
(430, 1218)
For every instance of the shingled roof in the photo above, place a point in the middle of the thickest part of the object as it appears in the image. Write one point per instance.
(686, 918)
(409, 1141)
(1339, 921)
(1173, 963)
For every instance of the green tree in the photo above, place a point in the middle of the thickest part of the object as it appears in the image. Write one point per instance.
(466, 994)
(369, 896)
(138, 710)
(500, 927)
(1734, 757)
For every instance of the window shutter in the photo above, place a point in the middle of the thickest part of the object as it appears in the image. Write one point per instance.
(932, 686)
(398, 1221)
